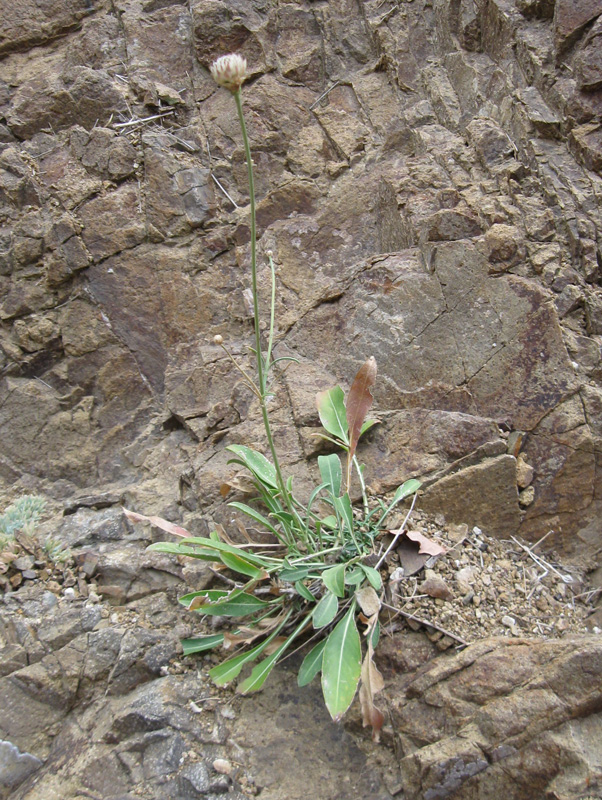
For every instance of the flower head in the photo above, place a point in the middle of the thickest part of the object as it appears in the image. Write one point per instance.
(229, 71)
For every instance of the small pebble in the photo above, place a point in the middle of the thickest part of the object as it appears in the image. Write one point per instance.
(222, 766)
(69, 594)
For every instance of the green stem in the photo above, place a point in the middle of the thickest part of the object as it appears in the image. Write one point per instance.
(261, 373)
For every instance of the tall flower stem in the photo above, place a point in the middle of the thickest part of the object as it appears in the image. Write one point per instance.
(262, 368)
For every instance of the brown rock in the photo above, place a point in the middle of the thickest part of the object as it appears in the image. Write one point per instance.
(448, 224)
(113, 222)
(504, 698)
(586, 142)
(484, 495)
(505, 246)
(26, 23)
(571, 16)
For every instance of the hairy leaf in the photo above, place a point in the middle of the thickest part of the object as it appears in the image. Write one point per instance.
(341, 666)
(228, 670)
(331, 408)
(261, 671)
(292, 574)
(222, 547)
(257, 463)
(331, 472)
(345, 509)
(373, 576)
(312, 664)
(182, 550)
(334, 579)
(326, 610)
(304, 592)
(255, 515)
(354, 576)
(405, 490)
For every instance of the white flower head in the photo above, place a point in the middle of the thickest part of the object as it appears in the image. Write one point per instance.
(230, 71)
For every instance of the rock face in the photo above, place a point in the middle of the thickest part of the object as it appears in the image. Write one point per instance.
(429, 181)
(502, 719)
(438, 208)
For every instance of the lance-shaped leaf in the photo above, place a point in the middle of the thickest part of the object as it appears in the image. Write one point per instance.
(238, 563)
(341, 665)
(331, 472)
(359, 402)
(331, 409)
(345, 509)
(234, 604)
(326, 610)
(228, 670)
(312, 664)
(261, 671)
(256, 463)
(334, 579)
(202, 643)
(372, 683)
(255, 515)
(182, 550)
(159, 522)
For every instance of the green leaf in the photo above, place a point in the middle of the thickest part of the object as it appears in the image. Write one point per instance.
(376, 634)
(369, 423)
(333, 416)
(228, 670)
(334, 579)
(191, 646)
(373, 576)
(239, 564)
(354, 577)
(341, 666)
(212, 594)
(236, 604)
(182, 550)
(330, 522)
(331, 472)
(304, 592)
(260, 672)
(325, 611)
(405, 490)
(292, 574)
(255, 515)
(222, 547)
(256, 463)
(345, 509)
(312, 664)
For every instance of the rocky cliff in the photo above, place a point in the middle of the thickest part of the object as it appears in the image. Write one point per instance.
(429, 180)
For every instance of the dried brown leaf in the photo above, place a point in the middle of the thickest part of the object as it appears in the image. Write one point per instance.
(359, 401)
(372, 684)
(368, 601)
(426, 545)
(159, 522)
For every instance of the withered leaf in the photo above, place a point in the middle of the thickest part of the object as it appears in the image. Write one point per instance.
(359, 401)
(159, 522)
(368, 601)
(426, 545)
(371, 684)
(414, 550)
